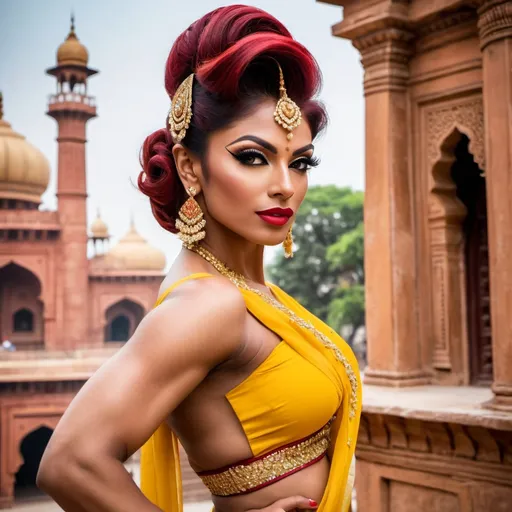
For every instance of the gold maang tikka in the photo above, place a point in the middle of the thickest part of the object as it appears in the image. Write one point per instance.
(191, 223)
(287, 112)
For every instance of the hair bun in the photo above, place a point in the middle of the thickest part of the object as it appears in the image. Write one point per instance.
(159, 178)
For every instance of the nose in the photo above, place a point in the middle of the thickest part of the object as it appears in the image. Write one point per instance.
(281, 183)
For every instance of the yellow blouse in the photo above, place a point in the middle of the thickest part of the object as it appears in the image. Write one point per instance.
(310, 375)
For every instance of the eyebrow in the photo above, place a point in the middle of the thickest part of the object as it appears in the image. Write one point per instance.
(263, 143)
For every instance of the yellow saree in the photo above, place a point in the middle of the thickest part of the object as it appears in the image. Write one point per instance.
(314, 341)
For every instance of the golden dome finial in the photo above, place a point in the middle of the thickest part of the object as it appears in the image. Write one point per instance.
(72, 51)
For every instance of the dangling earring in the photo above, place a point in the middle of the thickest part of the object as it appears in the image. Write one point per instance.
(191, 222)
(288, 244)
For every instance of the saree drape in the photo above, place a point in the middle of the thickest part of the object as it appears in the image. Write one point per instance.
(160, 465)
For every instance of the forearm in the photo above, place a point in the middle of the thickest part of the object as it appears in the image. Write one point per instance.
(102, 485)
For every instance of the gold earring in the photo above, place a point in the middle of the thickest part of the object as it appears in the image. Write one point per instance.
(191, 223)
(288, 244)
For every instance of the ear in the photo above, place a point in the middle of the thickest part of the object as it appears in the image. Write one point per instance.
(188, 167)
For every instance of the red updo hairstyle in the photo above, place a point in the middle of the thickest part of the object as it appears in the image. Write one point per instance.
(232, 51)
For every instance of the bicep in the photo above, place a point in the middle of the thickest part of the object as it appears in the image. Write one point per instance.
(133, 393)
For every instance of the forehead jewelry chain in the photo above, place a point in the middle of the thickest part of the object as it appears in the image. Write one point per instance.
(287, 112)
(240, 282)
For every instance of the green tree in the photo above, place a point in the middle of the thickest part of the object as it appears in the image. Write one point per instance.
(346, 259)
(326, 216)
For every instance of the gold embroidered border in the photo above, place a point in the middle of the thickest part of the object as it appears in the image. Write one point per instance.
(244, 478)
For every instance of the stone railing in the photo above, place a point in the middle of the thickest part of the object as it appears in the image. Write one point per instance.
(72, 97)
(433, 448)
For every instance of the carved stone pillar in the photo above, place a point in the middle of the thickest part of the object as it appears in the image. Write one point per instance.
(394, 354)
(495, 28)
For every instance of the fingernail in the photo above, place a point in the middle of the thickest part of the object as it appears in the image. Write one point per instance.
(313, 503)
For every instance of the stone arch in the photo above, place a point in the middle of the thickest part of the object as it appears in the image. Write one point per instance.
(467, 117)
(27, 264)
(121, 319)
(31, 449)
(446, 214)
(140, 301)
(20, 293)
(443, 201)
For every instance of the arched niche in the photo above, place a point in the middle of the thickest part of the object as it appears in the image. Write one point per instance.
(447, 218)
(121, 320)
(21, 307)
(23, 320)
(31, 449)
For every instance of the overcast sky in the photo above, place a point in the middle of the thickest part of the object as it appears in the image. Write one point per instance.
(128, 42)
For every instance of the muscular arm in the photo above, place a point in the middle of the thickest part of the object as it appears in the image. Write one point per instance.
(124, 402)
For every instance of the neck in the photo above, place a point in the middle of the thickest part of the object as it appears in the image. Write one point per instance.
(237, 254)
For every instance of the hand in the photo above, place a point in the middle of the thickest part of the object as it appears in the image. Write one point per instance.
(289, 505)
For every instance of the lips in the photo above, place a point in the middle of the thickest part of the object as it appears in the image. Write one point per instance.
(276, 216)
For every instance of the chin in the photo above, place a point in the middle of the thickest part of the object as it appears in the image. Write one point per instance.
(270, 239)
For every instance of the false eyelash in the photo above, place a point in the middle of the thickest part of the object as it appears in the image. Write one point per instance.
(312, 161)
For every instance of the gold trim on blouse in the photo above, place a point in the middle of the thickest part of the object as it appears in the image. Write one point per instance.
(253, 474)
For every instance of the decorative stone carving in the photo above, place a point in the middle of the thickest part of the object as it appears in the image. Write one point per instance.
(495, 21)
(448, 20)
(468, 118)
(483, 453)
(385, 56)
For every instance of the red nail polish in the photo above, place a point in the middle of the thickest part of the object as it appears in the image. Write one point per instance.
(313, 503)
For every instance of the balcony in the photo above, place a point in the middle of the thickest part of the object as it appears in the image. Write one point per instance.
(72, 102)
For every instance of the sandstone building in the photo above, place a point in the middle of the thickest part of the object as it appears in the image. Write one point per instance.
(64, 313)
(436, 432)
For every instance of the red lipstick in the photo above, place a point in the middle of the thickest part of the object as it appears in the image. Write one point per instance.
(276, 216)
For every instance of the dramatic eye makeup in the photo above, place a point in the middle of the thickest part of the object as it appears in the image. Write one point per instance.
(253, 157)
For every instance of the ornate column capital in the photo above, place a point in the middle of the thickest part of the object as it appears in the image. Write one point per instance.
(494, 21)
(385, 55)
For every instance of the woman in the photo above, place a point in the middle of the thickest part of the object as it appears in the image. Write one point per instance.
(263, 396)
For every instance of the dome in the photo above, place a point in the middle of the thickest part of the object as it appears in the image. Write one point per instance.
(24, 170)
(133, 252)
(72, 51)
(99, 229)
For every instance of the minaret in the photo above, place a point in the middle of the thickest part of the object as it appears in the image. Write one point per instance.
(71, 107)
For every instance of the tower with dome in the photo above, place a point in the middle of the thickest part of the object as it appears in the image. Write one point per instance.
(63, 313)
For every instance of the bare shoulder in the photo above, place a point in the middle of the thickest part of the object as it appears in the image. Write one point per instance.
(209, 311)
(171, 352)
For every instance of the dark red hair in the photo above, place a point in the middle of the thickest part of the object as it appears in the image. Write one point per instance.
(233, 52)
